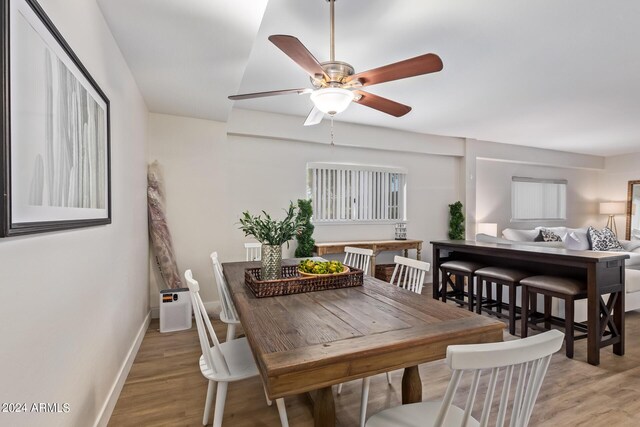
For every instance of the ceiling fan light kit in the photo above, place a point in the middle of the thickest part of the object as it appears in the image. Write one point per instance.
(332, 100)
(336, 83)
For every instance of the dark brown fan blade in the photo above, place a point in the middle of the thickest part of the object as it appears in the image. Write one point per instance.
(382, 104)
(270, 93)
(295, 50)
(424, 64)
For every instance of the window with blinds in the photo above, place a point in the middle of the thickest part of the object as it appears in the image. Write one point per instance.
(341, 193)
(538, 199)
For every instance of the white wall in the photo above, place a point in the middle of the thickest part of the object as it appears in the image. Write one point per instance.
(73, 302)
(211, 177)
(619, 170)
(494, 178)
(493, 193)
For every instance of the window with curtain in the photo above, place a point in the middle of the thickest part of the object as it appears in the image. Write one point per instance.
(356, 193)
(538, 199)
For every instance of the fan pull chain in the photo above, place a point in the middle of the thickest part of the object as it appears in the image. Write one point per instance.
(332, 141)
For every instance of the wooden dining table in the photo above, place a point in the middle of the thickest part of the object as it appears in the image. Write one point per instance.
(311, 341)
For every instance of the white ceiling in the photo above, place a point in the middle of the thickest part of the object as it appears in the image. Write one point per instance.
(554, 74)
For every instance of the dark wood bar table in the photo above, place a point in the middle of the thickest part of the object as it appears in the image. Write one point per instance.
(603, 272)
(311, 341)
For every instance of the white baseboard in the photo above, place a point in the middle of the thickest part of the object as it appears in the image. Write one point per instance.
(213, 309)
(114, 393)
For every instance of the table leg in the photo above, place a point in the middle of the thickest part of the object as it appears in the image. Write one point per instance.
(406, 253)
(419, 252)
(411, 385)
(324, 410)
(618, 317)
(593, 317)
(373, 265)
(436, 273)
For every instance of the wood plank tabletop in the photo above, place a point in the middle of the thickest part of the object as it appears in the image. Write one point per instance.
(307, 341)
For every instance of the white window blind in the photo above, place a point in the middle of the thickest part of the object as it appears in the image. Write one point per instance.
(342, 192)
(536, 199)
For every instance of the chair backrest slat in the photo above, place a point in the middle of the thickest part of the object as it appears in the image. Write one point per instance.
(253, 251)
(471, 398)
(358, 258)
(486, 409)
(517, 400)
(209, 344)
(409, 273)
(228, 308)
(529, 357)
(504, 397)
(448, 397)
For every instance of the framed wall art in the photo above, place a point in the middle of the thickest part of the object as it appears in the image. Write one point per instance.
(55, 129)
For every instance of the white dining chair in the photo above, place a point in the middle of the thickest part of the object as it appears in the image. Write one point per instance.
(253, 251)
(358, 258)
(409, 273)
(222, 363)
(228, 313)
(525, 361)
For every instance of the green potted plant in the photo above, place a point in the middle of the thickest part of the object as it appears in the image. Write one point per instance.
(456, 221)
(304, 237)
(272, 234)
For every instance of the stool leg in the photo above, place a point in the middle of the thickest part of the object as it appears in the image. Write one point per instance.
(459, 287)
(479, 282)
(547, 312)
(525, 312)
(488, 289)
(473, 299)
(568, 326)
(512, 309)
(470, 286)
(499, 297)
(445, 278)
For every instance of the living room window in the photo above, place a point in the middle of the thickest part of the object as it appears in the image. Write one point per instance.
(535, 199)
(356, 193)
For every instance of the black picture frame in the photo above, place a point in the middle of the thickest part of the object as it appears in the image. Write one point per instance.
(85, 198)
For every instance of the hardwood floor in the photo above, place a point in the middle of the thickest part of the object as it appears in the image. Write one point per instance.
(165, 388)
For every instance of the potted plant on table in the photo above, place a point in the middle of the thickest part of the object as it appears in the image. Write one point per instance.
(272, 234)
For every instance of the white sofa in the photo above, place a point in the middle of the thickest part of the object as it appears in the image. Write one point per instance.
(576, 239)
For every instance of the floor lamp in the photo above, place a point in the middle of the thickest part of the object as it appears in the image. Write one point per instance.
(612, 209)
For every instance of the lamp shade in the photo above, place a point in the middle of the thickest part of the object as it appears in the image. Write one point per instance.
(488, 228)
(613, 208)
(332, 100)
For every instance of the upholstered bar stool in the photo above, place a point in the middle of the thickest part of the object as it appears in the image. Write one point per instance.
(567, 289)
(501, 277)
(461, 270)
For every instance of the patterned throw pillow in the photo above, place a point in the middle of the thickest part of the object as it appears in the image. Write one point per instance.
(547, 236)
(603, 240)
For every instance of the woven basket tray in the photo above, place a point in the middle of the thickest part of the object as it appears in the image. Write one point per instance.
(293, 283)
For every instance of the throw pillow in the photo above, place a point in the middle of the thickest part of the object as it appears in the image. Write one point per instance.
(519, 235)
(573, 242)
(603, 240)
(547, 236)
